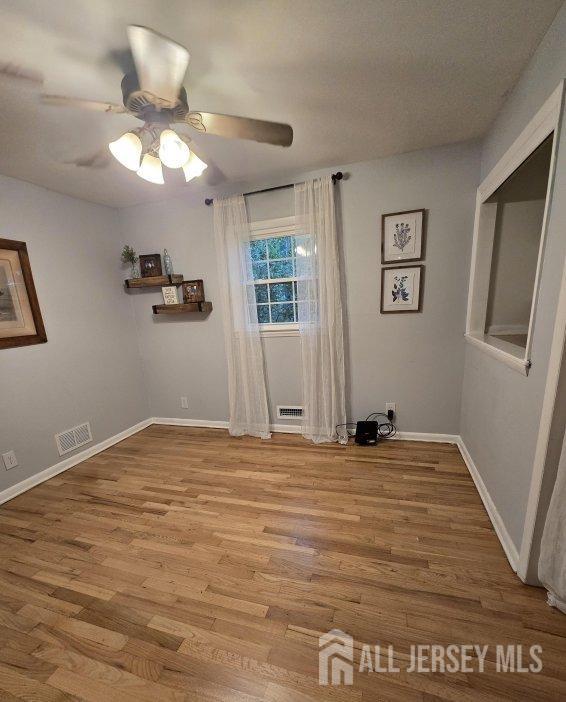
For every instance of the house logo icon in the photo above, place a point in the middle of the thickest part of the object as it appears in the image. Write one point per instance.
(335, 658)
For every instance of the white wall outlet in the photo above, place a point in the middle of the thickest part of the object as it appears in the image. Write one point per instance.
(184, 403)
(10, 460)
(390, 406)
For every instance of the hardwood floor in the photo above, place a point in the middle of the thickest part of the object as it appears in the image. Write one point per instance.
(183, 564)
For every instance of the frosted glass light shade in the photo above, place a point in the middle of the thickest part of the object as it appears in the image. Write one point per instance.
(127, 150)
(173, 151)
(151, 170)
(194, 167)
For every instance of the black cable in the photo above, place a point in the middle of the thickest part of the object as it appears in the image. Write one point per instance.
(385, 430)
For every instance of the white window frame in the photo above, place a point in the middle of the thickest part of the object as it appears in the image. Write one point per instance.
(544, 123)
(267, 229)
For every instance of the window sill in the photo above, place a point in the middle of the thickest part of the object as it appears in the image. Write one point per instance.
(269, 330)
(503, 351)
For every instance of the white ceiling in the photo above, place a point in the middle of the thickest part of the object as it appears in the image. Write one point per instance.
(356, 79)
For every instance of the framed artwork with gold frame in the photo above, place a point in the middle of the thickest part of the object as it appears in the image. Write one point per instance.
(21, 323)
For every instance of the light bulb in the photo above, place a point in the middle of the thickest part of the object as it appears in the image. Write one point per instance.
(173, 151)
(193, 167)
(151, 170)
(127, 150)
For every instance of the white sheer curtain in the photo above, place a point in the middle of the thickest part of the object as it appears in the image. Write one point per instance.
(319, 310)
(552, 563)
(246, 376)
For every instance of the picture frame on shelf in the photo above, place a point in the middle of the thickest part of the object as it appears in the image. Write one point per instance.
(170, 296)
(403, 236)
(401, 289)
(21, 323)
(193, 291)
(150, 265)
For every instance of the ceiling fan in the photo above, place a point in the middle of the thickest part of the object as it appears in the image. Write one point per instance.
(153, 93)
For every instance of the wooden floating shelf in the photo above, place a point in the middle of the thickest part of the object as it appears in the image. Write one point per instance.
(154, 281)
(204, 307)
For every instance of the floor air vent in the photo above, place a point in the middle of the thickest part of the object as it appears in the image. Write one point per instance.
(289, 412)
(71, 439)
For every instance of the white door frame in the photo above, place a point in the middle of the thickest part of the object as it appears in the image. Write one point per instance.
(529, 552)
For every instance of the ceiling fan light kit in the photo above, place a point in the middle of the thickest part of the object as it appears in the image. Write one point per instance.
(194, 167)
(154, 94)
(151, 170)
(127, 150)
(146, 149)
(173, 151)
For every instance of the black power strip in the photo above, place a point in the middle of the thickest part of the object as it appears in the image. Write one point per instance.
(370, 431)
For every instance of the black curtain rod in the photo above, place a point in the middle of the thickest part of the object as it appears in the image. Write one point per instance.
(335, 176)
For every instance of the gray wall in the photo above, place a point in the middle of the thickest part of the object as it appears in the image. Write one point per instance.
(415, 360)
(500, 408)
(89, 369)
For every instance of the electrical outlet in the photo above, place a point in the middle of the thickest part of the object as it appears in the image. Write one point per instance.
(10, 460)
(390, 406)
(184, 403)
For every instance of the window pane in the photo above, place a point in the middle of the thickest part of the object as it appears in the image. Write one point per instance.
(281, 269)
(261, 293)
(282, 313)
(259, 271)
(263, 314)
(258, 250)
(281, 292)
(280, 247)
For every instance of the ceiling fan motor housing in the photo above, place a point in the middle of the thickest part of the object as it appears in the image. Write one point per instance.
(148, 107)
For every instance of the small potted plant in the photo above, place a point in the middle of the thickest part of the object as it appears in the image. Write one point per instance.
(130, 257)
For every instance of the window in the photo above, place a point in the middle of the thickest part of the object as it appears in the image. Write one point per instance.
(519, 203)
(509, 243)
(273, 254)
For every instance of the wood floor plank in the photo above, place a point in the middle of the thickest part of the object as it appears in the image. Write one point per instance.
(185, 564)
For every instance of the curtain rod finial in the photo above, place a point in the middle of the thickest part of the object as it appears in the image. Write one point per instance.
(208, 201)
(337, 176)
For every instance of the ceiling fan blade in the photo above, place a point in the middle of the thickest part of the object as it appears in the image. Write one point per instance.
(160, 62)
(98, 159)
(13, 70)
(123, 59)
(242, 128)
(64, 101)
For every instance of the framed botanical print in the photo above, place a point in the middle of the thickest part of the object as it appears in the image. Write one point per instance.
(193, 291)
(402, 236)
(150, 265)
(401, 289)
(21, 323)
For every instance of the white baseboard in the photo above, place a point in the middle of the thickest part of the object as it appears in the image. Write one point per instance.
(286, 428)
(418, 436)
(42, 476)
(180, 422)
(502, 533)
(296, 429)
